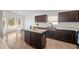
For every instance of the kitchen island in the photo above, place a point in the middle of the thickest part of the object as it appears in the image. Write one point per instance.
(35, 38)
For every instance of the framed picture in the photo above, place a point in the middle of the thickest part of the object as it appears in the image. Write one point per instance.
(11, 21)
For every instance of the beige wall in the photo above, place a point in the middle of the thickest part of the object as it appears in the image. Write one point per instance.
(29, 21)
(8, 14)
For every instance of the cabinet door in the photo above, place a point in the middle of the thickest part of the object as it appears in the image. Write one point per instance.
(73, 16)
(41, 18)
(60, 35)
(27, 37)
(35, 40)
(78, 17)
(70, 36)
(51, 34)
(62, 17)
(44, 18)
(70, 16)
(74, 39)
(37, 18)
(43, 40)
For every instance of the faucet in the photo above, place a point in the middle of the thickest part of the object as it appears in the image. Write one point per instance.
(51, 24)
(37, 24)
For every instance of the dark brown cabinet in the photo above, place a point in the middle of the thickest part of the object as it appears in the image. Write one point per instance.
(67, 36)
(62, 35)
(41, 18)
(51, 34)
(62, 17)
(36, 40)
(70, 36)
(37, 18)
(27, 37)
(70, 16)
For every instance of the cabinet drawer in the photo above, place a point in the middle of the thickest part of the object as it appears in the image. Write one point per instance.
(51, 34)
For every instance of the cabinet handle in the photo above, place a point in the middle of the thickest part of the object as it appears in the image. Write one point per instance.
(44, 36)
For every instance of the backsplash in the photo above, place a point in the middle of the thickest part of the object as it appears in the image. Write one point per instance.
(42, 24)
(60, 24)
(68, 24)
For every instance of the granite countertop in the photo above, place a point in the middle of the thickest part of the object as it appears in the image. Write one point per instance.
(36, 30)
(40, 27)
(68, 28)
(62, 28)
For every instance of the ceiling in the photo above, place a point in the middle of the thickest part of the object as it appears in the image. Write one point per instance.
(37, 12)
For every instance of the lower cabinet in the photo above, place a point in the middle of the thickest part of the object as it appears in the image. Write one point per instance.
(36, 40)
(60, 35)
(70, 36)
(67, 36)
(51, 34)
(27, 37)
(63, 35)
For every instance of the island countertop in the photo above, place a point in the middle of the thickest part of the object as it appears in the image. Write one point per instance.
(36, 30)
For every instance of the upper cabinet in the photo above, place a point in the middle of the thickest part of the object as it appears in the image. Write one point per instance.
(70, 16)
(41, 18)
